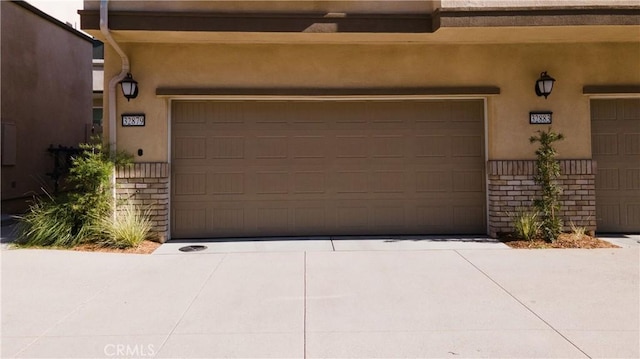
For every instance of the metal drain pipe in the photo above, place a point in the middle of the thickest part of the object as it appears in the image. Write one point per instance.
(104, 28)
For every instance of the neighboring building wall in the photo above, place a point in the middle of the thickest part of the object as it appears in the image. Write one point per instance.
(511, 189)
(46, 93)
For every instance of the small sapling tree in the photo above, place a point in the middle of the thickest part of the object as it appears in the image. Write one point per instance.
(548, 205)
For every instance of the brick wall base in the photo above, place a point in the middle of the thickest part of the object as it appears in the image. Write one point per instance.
(147, 185)
(511, 188)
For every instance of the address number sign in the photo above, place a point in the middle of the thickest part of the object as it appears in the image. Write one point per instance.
(540, 118)
(132, 120)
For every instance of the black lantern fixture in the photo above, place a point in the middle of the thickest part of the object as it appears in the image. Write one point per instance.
(129, 87)
(544, 85)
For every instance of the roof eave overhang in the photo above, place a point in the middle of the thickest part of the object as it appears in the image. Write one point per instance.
(536, 16)
(362, 23)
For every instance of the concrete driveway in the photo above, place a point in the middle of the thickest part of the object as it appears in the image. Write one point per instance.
(315, 299)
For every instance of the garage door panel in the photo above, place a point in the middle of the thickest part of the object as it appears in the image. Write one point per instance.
(389, 218)
(267, 147)
(189, 222)
(632, 143)
(271, 183)
(608, 216)
(387, 182)
(271, 219)
(632, 213)
(186, 183)
(431, 146)
(434, 219)
(608, 179)
(225, 220)
(309, 182)
(466, 146)
(468, 181)
(225, 183)
(468, 217)
(433, 181)
(631, 110)
(467, 111)
(602, 110)
(310, 219)
(187, 147)
(605, 144)
(388, 146)
(308, 147)
(226, 147)
(349, 181)
(351, 146)
(327, 168)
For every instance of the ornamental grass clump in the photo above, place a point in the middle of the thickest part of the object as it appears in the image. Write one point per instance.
(48, 223)
(127, 227)
(548, 205)
(526, 224)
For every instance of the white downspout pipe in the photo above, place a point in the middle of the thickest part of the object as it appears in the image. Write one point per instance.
(104, 28)
(111, 105)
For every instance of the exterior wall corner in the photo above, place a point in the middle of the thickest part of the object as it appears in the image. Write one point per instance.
(147, 185)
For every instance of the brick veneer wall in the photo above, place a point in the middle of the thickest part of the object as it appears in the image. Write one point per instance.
(511, 188)
(147, 185)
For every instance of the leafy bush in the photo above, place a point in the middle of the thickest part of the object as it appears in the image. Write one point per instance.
(128, 227)
(72, 218)
(526, 224)
(548, 171)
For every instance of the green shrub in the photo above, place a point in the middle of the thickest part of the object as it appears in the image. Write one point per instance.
(526, 224)
(128, 227)
(548, 171)
(72, 218)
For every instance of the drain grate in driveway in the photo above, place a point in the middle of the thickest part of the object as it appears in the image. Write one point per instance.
(194, 248)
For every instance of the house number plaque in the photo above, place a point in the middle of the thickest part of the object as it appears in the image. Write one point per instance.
(540, 118)
(133, 120)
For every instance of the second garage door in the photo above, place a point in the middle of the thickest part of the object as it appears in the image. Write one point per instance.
(615, 128)
(299, 168)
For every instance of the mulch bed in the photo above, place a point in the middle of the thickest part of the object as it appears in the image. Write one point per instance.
(146, 247)
(566, 240)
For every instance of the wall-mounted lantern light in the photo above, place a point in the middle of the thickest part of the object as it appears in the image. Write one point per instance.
(129, 87)
(544, 85)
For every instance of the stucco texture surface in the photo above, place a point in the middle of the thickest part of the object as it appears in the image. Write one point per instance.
(513, 68)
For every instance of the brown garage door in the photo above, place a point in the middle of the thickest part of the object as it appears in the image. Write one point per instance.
(296, 168)
(615, 128)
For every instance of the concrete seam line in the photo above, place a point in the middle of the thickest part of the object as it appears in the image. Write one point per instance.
(522, 304)
(215, 269)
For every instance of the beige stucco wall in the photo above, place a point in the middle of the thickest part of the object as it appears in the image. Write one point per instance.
(512, 67)
(46, 92)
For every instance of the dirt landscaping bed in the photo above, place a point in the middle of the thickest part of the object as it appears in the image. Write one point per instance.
(566, 240)
(146, 247)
